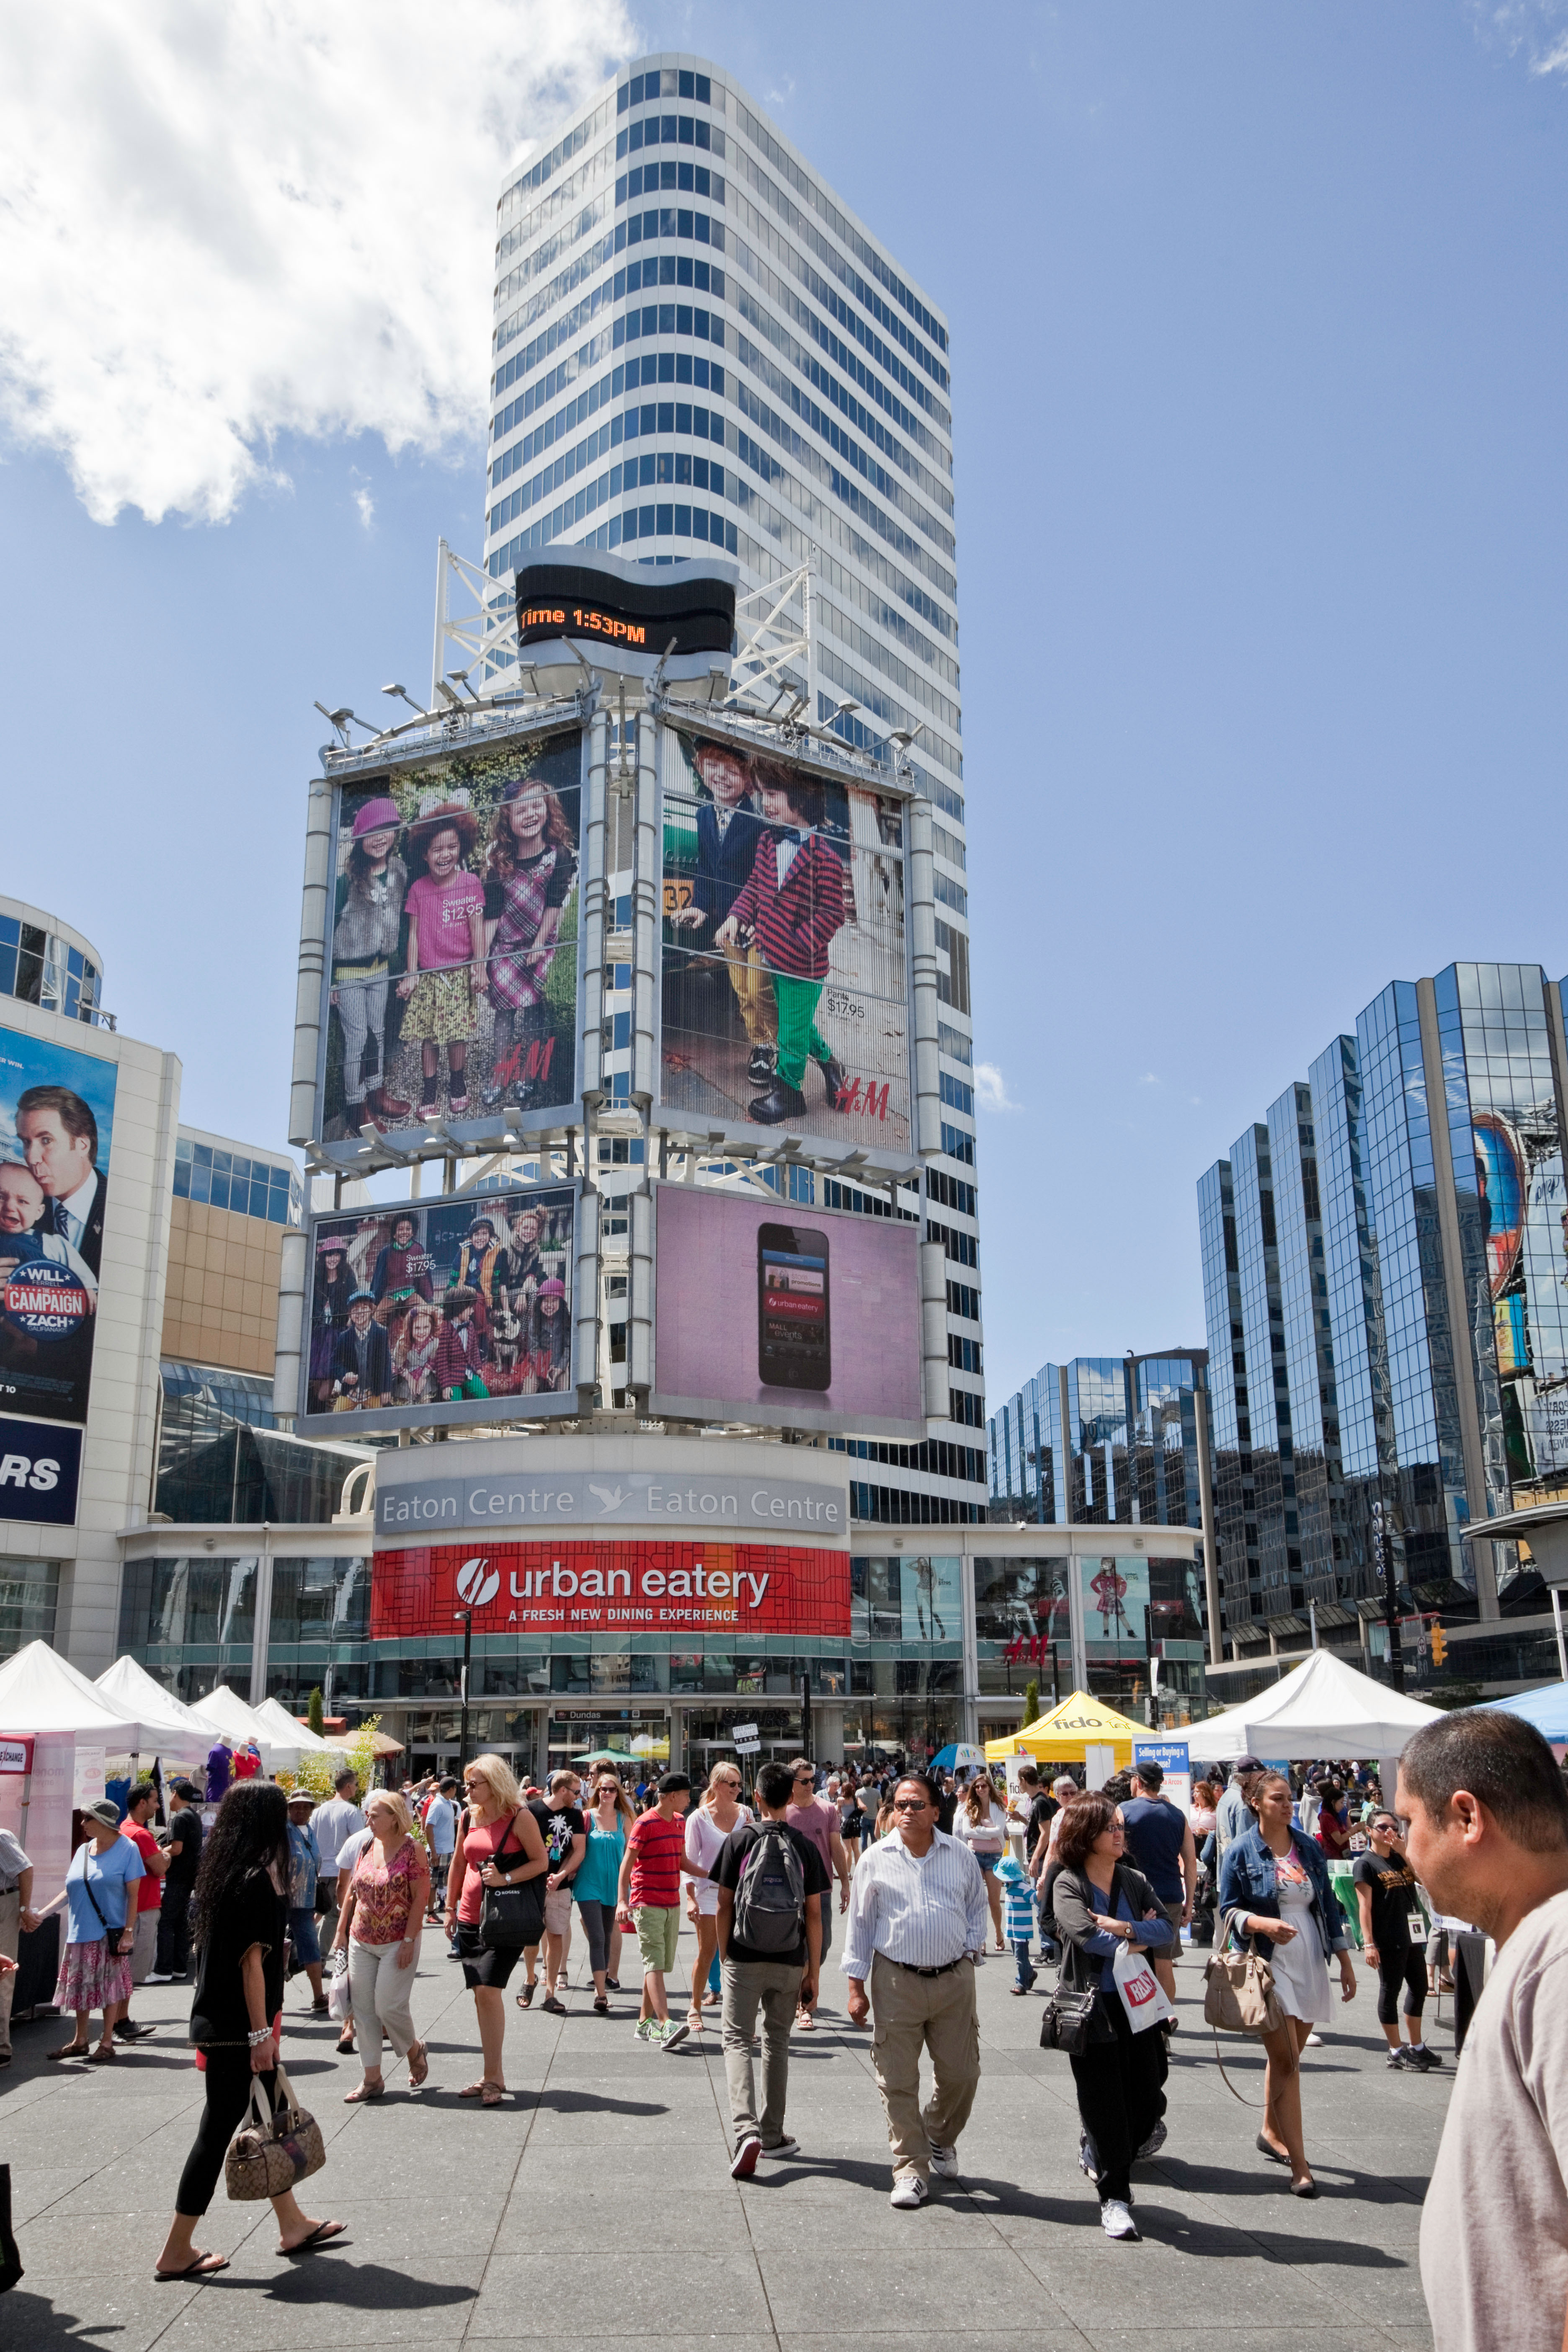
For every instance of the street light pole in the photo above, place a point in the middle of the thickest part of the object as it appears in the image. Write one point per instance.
(466, 1618)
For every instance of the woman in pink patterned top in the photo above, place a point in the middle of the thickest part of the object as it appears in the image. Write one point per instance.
(387, 1899)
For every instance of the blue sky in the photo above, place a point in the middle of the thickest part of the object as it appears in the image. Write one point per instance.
(1259, 357)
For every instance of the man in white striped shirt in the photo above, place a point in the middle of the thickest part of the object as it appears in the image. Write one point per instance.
(917, 1924)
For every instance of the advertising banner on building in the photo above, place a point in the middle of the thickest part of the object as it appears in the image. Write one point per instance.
(745, 1589)
(809, 1320)
(420, 1492)
(452, 948)
(786, 993)
(57, 1119)
(40, 1469)
(442, 1312)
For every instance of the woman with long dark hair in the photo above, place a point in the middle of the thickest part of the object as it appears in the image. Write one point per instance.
(241, 1905)
(1101, 1903)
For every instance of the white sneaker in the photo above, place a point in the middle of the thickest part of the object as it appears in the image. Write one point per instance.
(909, 2190)
(647, 2028)
(672, 2032)
(1116, 2221)
(944, 2162)
(1313, 2041)
(746, 2155)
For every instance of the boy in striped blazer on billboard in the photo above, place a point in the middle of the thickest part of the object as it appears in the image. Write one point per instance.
(792, 904)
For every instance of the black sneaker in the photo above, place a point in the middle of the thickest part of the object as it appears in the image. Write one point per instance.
(1405, 2061)
(1426, 2059)
(760, 1065)
(126, 2031)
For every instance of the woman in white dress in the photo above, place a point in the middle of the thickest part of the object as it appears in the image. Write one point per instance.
(706, 1832)
(1275, 1893)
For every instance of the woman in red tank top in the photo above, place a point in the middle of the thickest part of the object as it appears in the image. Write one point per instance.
(498, 1841)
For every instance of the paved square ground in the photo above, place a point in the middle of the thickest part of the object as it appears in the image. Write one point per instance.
(595, 2208)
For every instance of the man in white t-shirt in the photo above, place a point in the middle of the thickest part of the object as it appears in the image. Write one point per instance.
(1488, 1840)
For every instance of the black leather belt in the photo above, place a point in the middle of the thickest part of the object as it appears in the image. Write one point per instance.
(946, 1968)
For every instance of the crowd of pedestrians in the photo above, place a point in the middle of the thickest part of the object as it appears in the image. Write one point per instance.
(1104, 1882)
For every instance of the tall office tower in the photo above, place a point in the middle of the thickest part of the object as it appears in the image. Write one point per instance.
(698, 346)
(1384, 1271)
(1132, 1452)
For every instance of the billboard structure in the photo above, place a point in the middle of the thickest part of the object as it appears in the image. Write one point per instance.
(442, 1312)
(784, 982)
(730, 1588)
(451, 957)
(56, 1122)
(812, 1322)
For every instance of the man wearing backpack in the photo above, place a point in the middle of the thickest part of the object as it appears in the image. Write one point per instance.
(769, 1877)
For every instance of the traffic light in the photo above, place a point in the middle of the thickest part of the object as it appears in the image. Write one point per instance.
(1439, 1643)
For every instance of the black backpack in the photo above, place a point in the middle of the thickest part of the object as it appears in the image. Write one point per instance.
(770, 1899)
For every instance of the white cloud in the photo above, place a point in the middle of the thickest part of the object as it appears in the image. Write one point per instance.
(991, 1088)
(226, 220)
(365, 502)
(1555, 60)
(1149, 1079)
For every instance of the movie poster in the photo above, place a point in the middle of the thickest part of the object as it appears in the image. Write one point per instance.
(448, 1311)
(57, 1118)
(453, 940)
(785, 989)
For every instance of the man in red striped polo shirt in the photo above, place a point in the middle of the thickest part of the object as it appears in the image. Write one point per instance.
(649, 1888)
(793, 903)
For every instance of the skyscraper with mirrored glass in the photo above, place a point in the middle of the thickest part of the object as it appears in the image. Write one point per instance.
(1129, 1456)
(1386, 1279)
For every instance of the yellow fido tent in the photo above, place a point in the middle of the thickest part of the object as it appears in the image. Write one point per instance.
(1062, 1736)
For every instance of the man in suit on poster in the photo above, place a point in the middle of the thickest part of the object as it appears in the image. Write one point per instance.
(58, 1135)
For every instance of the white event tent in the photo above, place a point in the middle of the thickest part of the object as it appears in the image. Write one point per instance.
(291, 1738)
(178, 1733)
(229, 1712)
(1322, 1709)
(72, 1730)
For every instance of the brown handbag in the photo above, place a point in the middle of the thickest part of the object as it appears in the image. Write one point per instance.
(273, 2153)
(1238, 1997)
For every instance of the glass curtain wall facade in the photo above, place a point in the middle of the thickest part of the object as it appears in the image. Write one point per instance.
(697, 347)
(1388, 1261)
(1131, 1454)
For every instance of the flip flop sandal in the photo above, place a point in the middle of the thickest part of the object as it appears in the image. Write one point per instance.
(417, 2081)
(601, 2006)
(322, 2235)
(68, 2050)
(104, 2057)
(457, 1104)
(204, 2267)
(525, 1997)
(365, 2091)
(491, 2094)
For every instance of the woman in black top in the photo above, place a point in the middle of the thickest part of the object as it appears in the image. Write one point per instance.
(242, 1905)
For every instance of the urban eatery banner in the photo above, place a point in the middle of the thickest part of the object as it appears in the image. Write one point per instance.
(57, 1123)
(452, 959)
(442, 1312)
(785, 993)
(611, 1587)
(802, 1318)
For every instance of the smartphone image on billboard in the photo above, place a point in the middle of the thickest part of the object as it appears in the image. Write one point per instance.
(794, 1338)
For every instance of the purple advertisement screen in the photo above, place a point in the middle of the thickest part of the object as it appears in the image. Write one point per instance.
(772, 1312)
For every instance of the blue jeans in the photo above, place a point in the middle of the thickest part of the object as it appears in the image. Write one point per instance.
(1026, 1972)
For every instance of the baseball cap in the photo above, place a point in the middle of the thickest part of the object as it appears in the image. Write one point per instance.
(1247, 1764)
(103, 1811)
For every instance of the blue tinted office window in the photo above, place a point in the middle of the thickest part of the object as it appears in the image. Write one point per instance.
(716, 380)
(667, 179)
(683, 467)
(703, 188)
(688, 131)
(667, 276)
(699, 522)
(182, 1180)
(666, 415)
(665, 465)
(682, 417)
(620, 157)
(704, 91)
(649, 414)
(683, 360)
(634, 139)
(704, 136)
(182, 1149)
(683, 223)
(666, 327)
(716, 480)
(650, 319)
(683, 523)
(700, 473)
(667, 129)
(686, 84)
(634, 90)
(700, 371)
(666, 522)
(645, 522)
(645, 472)
(684, 179)
(623, 98)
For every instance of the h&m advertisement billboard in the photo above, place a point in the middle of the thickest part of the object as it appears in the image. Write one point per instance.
(442, 1312)
(746, 1589)
(785, 995)
(452, 947)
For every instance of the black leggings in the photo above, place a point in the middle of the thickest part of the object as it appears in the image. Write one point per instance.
(227, 2080)
(1120, 2095)
(1408, 1968)
(598, 1922)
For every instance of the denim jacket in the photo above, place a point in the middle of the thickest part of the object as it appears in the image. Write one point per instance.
(1246, 1882)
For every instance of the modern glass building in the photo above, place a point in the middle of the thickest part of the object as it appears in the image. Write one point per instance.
(1129, 1455)
(1384, 1275)
(698, 346)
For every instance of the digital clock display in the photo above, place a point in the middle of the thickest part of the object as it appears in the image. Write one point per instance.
(689, 615)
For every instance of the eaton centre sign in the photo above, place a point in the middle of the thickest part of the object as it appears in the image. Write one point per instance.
(415, 1501)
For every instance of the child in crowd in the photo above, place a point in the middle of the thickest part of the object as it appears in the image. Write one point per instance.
(368, 915)
(546, 1365)
(529, 873)
(1019, 1914)
(445, 948)
(793, 903)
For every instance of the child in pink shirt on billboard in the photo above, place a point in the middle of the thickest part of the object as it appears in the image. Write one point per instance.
(445, 909)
